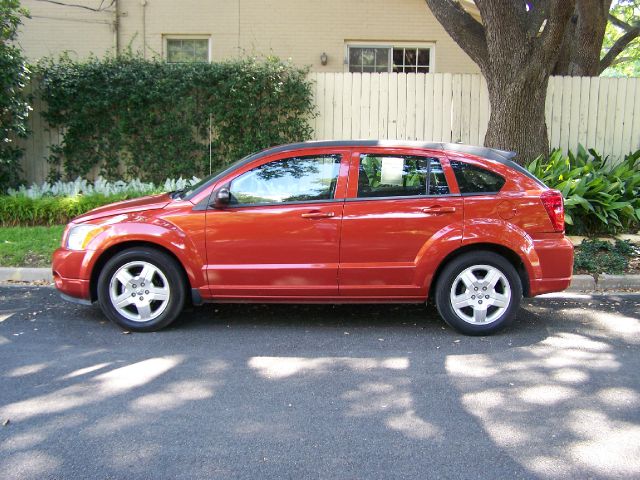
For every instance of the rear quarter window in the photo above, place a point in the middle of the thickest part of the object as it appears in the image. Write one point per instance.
(472, 179)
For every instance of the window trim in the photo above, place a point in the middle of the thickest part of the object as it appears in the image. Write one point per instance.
(332, 199)
(401, 197)
(391, 45)
(171, 36)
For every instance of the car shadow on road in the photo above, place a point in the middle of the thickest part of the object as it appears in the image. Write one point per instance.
(248, 391)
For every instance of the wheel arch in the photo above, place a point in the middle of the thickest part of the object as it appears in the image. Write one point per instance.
(505, 252)
(119, 247)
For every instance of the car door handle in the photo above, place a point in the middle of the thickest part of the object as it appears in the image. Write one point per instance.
(438, 210)
(318, 215)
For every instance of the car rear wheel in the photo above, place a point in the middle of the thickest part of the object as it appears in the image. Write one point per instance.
(141, 289)
(478, 293)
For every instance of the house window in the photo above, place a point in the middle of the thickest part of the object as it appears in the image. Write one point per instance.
(379, 59)
(188, 50)
(368, 59)
(411, 60)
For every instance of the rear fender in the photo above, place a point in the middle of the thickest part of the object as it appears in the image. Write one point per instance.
(505, 234)
(434, 251)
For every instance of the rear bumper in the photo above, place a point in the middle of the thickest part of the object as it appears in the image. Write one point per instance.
(556, 265)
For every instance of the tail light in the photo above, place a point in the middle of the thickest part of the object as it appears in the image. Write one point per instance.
(554, 205)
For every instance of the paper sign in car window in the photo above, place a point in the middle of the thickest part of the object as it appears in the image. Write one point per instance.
(392, 169)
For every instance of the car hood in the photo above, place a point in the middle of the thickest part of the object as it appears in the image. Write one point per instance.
(152, 202)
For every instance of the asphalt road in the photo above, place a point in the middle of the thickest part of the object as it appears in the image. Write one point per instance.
(242, 391)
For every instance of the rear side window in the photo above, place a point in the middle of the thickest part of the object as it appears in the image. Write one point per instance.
(472, 179)
(400, 176)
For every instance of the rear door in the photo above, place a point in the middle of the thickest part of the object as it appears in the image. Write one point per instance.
(397, 204)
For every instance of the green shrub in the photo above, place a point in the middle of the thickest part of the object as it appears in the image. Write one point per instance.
(155, 119)
(26, 211)
(599, 197)
(598, 256)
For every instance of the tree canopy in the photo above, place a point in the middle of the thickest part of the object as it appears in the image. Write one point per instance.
(624, 23)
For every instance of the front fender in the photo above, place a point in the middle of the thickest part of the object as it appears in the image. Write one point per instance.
(153, 231)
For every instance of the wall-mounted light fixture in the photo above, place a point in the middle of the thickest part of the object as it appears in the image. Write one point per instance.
(324, 58)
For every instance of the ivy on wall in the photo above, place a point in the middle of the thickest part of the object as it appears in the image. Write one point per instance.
(14, 103)
(152, 120)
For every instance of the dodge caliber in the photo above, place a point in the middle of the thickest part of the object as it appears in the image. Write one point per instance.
(328, 222)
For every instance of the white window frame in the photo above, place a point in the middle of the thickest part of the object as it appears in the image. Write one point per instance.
(167, 37)
(391, 45)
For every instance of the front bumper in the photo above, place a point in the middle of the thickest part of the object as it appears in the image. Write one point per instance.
(72, 273)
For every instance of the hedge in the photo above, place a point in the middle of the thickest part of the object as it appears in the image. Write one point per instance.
(152, 120)
(23, 211)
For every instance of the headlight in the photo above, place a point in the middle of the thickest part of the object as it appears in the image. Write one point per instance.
(80, 236)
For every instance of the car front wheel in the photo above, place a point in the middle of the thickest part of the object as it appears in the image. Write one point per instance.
(141, 289)
(478, 293)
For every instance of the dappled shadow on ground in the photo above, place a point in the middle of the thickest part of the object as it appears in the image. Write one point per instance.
(247, 391)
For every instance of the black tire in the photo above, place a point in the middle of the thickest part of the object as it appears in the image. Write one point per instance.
(446, 284)
(175, 284)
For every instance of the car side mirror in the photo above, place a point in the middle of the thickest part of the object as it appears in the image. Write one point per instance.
(221, 198)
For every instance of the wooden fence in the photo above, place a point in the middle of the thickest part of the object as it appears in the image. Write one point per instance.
(603, 113)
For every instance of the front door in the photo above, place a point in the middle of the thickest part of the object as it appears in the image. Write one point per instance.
(397, 206)
(279, 237)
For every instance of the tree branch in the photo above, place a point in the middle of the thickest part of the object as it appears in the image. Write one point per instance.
(618, 47)
(465, 30)
(101, 8)
(551, 37)
(620, 24)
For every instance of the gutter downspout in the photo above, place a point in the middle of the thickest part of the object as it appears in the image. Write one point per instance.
(144, 28)
(116, 27)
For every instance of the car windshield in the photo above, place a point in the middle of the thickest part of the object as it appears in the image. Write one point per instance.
(189, 192)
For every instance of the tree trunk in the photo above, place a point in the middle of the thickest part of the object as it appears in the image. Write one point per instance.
(516, 47)
(518, 116)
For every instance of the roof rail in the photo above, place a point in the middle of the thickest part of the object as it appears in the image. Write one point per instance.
(484, 152)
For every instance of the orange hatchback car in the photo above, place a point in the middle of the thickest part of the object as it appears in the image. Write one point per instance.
(334, 222)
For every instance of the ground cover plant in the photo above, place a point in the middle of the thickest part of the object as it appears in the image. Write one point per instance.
(595, 256)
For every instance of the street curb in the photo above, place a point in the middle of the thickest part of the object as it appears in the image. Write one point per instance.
(23, 274)
(579, 283)
(617, 282)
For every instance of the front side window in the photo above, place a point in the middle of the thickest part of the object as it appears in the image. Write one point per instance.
(187, 50)
(400, 176)
(472, 179)
(295, 179)
(380, 59)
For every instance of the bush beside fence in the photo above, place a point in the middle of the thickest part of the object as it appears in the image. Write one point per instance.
(149, 119)
(600, 197)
